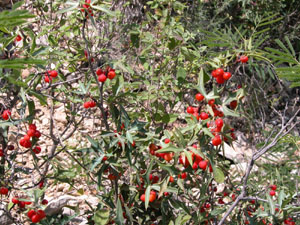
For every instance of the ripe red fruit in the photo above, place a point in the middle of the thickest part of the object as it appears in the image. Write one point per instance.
(220, 80)
(3, 191)
(182, 175)
(32, 126)
(37, 134)
(41, 184)
(35, 218)
(30, 133)
(216, 140)
(155, 179)
(226, 75)
(104, 158)
(10, 147)
(190, 110)
(244, 58)
(27, 144)
(220, 201)
(18, 38)
(272, 193)
(214, 73)
(219, 72)
(111, 75)
(195, 166)
(219, 122)
(233, 104)
(15, 200)
(207, 205)
(167, 141)
(22, 205)
(199, 97)
(6, 114)
(171, 179)
(44, 202)
(37, 150)
(211, 102)
(273, 187)
(168, 156)
(86, 105)
(99, 72)
(152, 196)
(1, 153)
(31, 213)
(166, 194)
(52, 73)
(143, 197)
(102, 78)
(203, 116)
(27, 203)
(47, 79)
(203, 164)
(22, 142)
(86, 6)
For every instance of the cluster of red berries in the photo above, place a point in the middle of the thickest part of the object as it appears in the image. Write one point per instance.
(168, 156)
(152, 196)
(197, 161)
(31, 133)
(87, 6)
(21, 204)
(103, 75)
(3, 191)
(89, 104)
(6, 114)
(289, 221)
(273, 188)
(49, 75)
(220, 75)
(36, 216)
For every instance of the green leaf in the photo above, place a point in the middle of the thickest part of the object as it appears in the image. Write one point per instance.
(218, 175)
(229, 112)
(42, 98)
(271, 204)
(147, 195)
(73, 5)
(281, 197)
(181, 73)
(104, 9)
(119, 218)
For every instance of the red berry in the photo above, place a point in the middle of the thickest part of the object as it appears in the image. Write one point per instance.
(27, 144)
(41, 184)
(15, 200)
(203, 164)
(6, 114)
(37, 134)
(273, 187)
(47, 79)
(104, 158)
(31, 213)
(1, 153)
(166, 193)
(244, 58)
(216, 140)
(88, 1)
(99, 72)
(183, 175)
(18, 38)
(111, 75)
(22, 142)
(32, 126)
(219, 122)
(219, 72)
(220, 80)
(211, 102)
(199, 97)
(37, 150)
(233, 104)
(53, 73)
(203, 116)
(226, 75)
(195, 166)
(220, 201)
(272, 193)
(86, 6)
(167, 141)
(30, 133)
(86, 105)
(3, 191)
(102, 78)
(35, 218)
(92, 104)
(171, 179)
(214, 73)
(143, 197)
(44, 202)
(190, 110)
